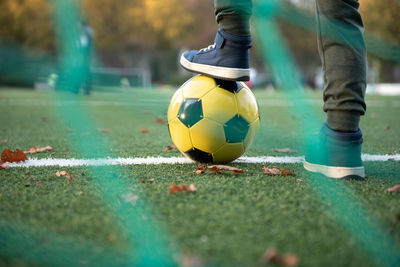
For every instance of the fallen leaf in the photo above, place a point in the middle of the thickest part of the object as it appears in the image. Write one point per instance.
(105, 130)
(395, 188)
(3, 166)
(168, 148)
(271, 171)
(387, 128)
(160, 121)
(147, 181)
(174, 189)
(201, 168)
(270, 255)
(290, 260)
(183, 187)
(275, 171)
(145, 130)
(45, 119)
(189, 260)
(4, 141)
(192, 188)
(13, 156)
(65, 174)
(219, 168)
(286, 172)
(32, 178)
(285, 150)
(38, 149)
(27, 172)
(299, 180)
(61, 173)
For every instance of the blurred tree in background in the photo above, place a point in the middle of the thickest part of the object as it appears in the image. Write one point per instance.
(381, 18)
(150, 34)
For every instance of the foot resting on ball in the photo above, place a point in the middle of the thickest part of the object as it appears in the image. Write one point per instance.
(227, 58)
(336, 154)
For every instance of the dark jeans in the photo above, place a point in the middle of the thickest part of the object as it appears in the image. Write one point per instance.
(342, 51)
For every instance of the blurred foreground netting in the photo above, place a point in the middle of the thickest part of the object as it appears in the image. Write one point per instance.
(345, 206)
(149, 245)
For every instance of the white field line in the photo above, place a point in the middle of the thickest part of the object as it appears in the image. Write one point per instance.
(47, 162)
(157, 102)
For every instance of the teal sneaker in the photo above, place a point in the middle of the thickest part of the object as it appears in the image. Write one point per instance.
(336, 154)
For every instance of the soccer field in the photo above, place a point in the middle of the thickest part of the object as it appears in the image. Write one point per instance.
(231, 220)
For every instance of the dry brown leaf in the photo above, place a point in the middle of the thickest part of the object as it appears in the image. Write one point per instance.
(65, 174)
(219, 168)
(160, 121)
(395, 188)
(285, 150)
(192, 188)
(3, 166)
(270, 255)
(275, 171)
(104, 130)
(183, 187)
(13, 156)
(172, 147)
(201, 168)
(147, 181)
(271, 171)
(38, 149)
(286, 172)
(290, 260)
(145, 130)
(4, 141)
(61, 173)
(387, 127)
(189, 260)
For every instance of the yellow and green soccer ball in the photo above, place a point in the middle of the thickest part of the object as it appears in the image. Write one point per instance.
(213, 120)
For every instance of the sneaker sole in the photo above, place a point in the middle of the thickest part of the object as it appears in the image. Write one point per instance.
(223, 73)
(336, 172)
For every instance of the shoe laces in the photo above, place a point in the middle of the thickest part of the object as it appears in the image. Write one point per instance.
(208, 48)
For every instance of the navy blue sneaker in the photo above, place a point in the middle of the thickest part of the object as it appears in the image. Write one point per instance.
(336, 154)
(227, 58)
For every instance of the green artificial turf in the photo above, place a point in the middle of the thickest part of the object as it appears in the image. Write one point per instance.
(230, 221)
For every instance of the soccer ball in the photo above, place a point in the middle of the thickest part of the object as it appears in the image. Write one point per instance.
(212, 120)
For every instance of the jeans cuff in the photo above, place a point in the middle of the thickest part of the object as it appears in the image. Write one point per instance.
(238, 25)
(343, 120)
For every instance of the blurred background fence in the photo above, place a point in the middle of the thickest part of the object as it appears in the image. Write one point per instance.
(136, 43)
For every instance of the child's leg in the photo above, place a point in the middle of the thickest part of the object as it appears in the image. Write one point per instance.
(233, 16)
(343, 55)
